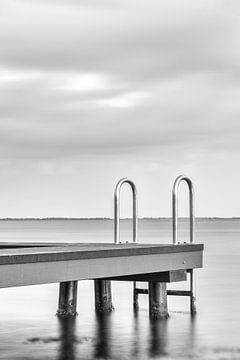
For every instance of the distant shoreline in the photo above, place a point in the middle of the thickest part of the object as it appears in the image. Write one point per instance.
(110, 219)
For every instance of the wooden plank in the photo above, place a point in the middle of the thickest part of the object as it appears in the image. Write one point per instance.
(16, 245)
(92, 251)
(165, 276)
(39, 244)
(19, 274)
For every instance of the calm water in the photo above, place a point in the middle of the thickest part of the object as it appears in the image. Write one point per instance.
(30, 330)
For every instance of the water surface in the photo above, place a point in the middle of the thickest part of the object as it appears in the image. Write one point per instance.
(30, 330)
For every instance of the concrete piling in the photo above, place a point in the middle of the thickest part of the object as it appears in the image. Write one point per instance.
(157, 300)
(67, 303)
(103, 296)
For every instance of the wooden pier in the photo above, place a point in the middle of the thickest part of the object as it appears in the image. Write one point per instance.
(24, 264)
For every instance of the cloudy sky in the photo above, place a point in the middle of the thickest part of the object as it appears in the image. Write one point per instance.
(95, 90)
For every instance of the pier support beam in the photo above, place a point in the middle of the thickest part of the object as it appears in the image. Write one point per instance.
(103, 296)
(67, 303)
(157, 300)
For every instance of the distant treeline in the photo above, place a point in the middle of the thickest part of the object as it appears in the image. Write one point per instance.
(107, 218)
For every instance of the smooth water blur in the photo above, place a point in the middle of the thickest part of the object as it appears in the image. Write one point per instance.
(30, 330)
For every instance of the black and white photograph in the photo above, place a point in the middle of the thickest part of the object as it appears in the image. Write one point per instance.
(119, 180)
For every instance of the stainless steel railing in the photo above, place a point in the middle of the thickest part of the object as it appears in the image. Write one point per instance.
(179, 179)
(117, 210)
(177, 182)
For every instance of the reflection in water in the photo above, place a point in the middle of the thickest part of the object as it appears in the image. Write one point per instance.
(158, 337)
(103, 334)
(192, 333)
(136, 332)
(67, 338)
(192, 329)
(182, 335)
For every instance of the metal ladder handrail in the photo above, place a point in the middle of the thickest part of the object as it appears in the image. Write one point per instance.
(179, 179)
(117, 210)
(177, 182)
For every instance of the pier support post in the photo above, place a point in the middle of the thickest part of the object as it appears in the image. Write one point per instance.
(193, 307)
(135, 297)
(157, 300)
(103, 296)
(67, 303)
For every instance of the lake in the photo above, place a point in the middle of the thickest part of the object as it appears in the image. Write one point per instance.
(30, 330)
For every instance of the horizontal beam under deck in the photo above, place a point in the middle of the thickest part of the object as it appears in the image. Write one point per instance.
(163, 276)
(19, 267)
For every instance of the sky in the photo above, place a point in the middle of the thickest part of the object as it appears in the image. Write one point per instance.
(95, 90)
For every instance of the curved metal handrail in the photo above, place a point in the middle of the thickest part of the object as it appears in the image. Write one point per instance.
(178, 180)
(117, 210)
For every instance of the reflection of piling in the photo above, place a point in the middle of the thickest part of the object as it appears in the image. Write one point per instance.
(67, 338)
(158, 300)
(103, 332)
(67, 304)
(158, 338)
(103, 296)
(136, 341)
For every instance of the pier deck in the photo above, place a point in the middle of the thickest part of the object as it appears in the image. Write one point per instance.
(35, 263)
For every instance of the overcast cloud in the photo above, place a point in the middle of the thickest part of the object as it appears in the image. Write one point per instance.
(92, 91)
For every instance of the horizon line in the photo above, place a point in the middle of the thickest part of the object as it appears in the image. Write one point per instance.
(110, 218)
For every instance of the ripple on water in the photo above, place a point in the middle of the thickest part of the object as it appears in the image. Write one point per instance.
(53, 339)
